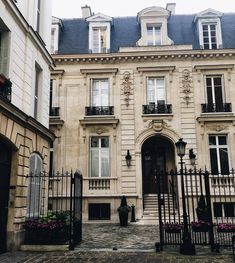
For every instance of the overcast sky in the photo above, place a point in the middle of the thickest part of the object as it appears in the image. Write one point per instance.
(114, 8)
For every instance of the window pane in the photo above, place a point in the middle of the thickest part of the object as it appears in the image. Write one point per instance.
(214, 163)
(229, 209)
(104, 162)
(151, 90)
(222, 140)
(104, 142)
(104, 93)
(217, 207)
(224, 160)
(94, 142)
(94, 162)
(212, 140)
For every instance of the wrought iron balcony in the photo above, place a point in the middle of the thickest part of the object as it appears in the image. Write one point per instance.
(160, 108)
(216, 107)
(99, 110)
(5, 87)
(55, 111)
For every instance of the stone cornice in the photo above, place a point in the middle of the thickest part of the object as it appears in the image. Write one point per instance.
(12, 112)
(99, 70)
(216, 117)
(159, 68)
(217, 66)
(122, 57)
(99, 120)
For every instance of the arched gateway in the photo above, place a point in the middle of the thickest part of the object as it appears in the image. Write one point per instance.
(158, 156)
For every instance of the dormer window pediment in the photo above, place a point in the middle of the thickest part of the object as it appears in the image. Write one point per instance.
(99, 33)
(209, 29)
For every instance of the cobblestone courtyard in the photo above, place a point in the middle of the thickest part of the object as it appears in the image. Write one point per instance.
(110, 243)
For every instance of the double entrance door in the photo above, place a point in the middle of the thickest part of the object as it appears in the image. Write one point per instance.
(154, 167)
(5, 169)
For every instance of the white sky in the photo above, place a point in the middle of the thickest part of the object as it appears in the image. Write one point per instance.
(114, 8)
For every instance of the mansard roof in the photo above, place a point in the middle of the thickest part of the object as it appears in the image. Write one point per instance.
(125, 32)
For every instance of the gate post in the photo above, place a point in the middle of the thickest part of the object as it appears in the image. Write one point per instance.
(159, 246)
(208, 201)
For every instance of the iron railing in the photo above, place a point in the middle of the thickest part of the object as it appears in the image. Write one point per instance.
(55, 111)
(54, 200)
(210, 205)
(157, 109)
(5, 89)
(99, 110)
(216, 107)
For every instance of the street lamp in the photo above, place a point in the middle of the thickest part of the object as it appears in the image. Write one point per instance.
(128, 158)
(187, 248)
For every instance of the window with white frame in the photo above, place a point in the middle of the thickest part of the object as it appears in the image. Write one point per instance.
(219, 156)
(4, 49)
(99, 40)
(38, 15)
(34, 186)
(214, 92)
(99, 92)
(99, 156)
(209, 32)
(38, 72)
(154, 36)
(155, 90)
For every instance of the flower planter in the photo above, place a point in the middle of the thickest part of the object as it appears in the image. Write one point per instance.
(226, 228)
(173, 228)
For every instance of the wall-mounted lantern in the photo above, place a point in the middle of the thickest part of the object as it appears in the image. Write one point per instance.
(128, 158)
(192, 157)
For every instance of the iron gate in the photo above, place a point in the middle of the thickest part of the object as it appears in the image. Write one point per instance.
(54, 208)
(210, 207)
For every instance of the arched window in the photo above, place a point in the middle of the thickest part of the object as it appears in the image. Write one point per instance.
(34, 187)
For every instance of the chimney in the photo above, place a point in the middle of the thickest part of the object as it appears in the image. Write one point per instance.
(171, 7)
(86, 11)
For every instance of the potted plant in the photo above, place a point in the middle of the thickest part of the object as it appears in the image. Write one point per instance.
(123, 211)
(226, 228)
(200, 226)
(172, 227)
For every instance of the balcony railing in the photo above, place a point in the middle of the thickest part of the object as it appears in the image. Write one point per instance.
(216, 107)
(157, 109)
(55, 111)
(5, 88)
(99, 110)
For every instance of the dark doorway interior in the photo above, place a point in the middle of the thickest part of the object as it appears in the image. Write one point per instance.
(5, 170)
(157, 157)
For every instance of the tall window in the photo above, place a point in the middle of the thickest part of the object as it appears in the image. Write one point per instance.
(38, 15)
(209, 36)
(99, 40)
(155, 90)
(214, 90)
(34, 187)
(154, 37)
(99, 157)
(4, 51)
(219, 158)
(36, 91)
(100, 92)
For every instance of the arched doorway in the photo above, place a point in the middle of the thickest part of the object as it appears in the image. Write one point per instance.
(158, 156)
(5, 171)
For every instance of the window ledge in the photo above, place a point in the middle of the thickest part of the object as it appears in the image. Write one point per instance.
(216, 117)
(157, 116)
(99, 119)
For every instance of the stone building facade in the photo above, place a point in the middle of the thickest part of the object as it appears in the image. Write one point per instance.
(25, 139)
(136, 85)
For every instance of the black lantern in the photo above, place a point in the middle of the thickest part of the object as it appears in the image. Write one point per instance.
(180, 147)
(192, 157)
(128, 158)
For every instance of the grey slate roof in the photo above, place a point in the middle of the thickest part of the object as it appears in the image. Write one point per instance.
(125, 32)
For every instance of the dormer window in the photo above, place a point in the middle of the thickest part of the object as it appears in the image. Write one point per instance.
(209, 29)
(154, 37)
(99, 40)
(153, 23)
(99, 33)
(209, 36)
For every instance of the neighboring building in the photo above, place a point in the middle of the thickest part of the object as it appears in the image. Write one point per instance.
(138, 84)
(25, 64)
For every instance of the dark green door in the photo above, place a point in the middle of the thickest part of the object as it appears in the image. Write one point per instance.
(5, 169)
